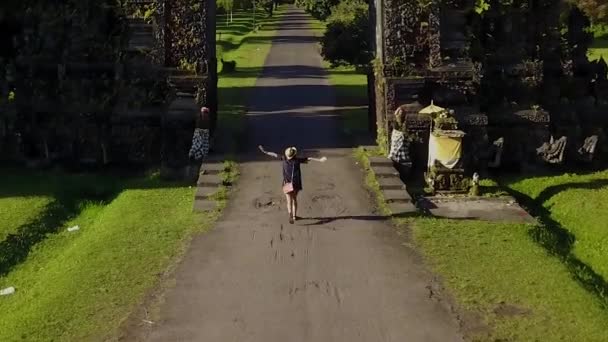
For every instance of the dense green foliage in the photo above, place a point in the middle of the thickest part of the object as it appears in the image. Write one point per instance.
(57, 66)
(347, 37)
(227, 6)
(319, 9)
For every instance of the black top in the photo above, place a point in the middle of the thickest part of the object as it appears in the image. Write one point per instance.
(293, 166)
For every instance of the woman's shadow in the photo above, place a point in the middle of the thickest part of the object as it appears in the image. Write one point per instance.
(318, 221)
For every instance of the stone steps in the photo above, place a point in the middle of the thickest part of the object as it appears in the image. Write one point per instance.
(209, 180)
(140, 43)
(380, 161)
(208, 184)
(188, 83)
(402, 208)
(385, 171)
(391, 183)
(394, 191)
(201, 206)
(396, 196)
(184, 103)
(205, 192)
(141, 35)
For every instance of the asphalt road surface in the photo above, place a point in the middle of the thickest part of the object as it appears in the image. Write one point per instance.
(339, 274)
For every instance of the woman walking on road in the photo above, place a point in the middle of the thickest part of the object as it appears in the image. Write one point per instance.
(292, 177)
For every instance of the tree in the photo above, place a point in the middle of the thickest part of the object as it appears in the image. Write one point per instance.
(596, 10)
(320, 9)
(347, 38)
(227, 6)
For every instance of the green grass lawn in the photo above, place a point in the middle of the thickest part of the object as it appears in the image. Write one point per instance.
(599, 47)
(77, 286)
(351, 97)
(18, 211)
(500, 276)
(486, 266)
(576, 205)
(350, 89)
(230, 36)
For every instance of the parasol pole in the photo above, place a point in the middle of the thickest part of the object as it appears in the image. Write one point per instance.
(428, 167)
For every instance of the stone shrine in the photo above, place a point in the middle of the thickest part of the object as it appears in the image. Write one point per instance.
(512, 80)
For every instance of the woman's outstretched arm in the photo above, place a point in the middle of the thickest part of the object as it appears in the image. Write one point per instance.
(321, 160)
(272, 154)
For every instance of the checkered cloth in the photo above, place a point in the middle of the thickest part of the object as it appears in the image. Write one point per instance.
(399, 148)
(200, 144)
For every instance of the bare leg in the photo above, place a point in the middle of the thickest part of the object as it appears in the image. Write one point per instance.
(289, 204)
(294, 208)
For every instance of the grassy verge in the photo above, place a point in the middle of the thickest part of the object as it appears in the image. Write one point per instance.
(350, 87)
(351, 97)
(248, 46)
(497, 272)
(599, 47)
(499, 275)
(78, 286)
(574, 213)
(362, 156)
(17, 211)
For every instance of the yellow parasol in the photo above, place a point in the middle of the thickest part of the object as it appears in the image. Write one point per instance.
(432, 109)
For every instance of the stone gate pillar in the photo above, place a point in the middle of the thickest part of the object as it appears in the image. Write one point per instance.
(191, 66)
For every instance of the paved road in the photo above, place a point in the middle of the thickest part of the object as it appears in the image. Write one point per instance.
(341, 274)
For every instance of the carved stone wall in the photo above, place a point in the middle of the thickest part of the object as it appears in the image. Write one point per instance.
(413, 69)
(139, 107)
(403, 24)
(492, 70)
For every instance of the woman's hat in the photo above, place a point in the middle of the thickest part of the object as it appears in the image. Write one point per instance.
(290, 152)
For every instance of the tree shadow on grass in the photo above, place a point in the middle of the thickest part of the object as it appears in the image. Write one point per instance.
(70, 194)
(558, 241)
(16, 246)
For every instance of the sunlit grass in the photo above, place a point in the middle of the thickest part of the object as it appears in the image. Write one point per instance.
(488, 265)
(77, 286)
(579, 204)
(17, 211)
(350, 88)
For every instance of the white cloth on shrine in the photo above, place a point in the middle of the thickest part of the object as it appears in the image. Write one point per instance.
(399, 150)
(200, 144)
(447, 150)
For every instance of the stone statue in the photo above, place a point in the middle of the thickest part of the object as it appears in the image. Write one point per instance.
(553, 151)
(586, 152)
(399, 152)
(496, 152)
(474, 190)
(201, 137)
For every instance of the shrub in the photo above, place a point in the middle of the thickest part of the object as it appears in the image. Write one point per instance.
(347, 38)
(320, 9)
